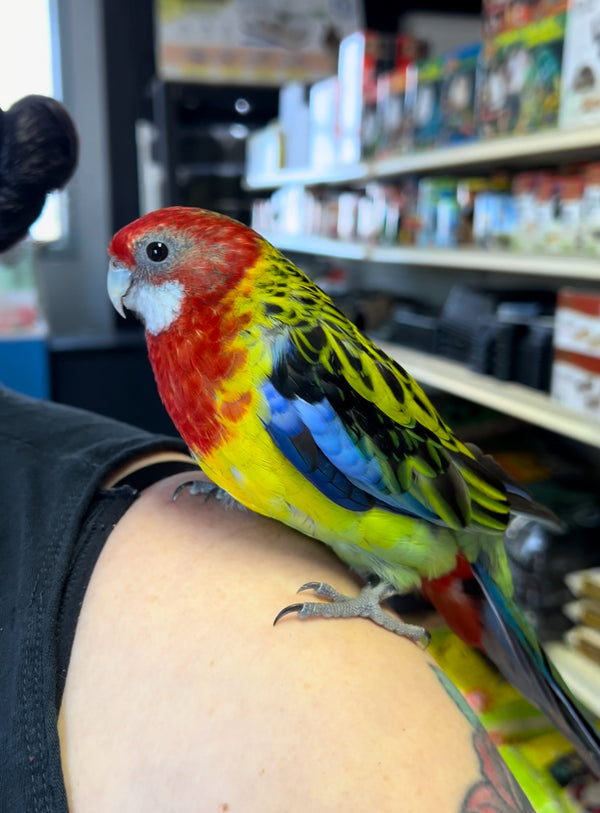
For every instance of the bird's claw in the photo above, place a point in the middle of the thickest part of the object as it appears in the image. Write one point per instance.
(365, 605)
(208, 489)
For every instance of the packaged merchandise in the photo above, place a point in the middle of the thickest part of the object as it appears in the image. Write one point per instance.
(363, 56)
(577, 322)
(548, 232)
(294, 120)
(494, 13)
(585, 583)
(324, 123)
(524, 190)
(519, 85)
(243, 43)
(580, 93)
(430, 192)
(590, 211)
(423, 101)
(457, 95)
(570, 214)
(264, 151)
(576, 368)
(447, 219)
(371, 214)
(393, 123)
(347, 215)
(500, 16)
(494, 220)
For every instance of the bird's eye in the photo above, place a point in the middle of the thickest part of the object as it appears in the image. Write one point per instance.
(157, 251)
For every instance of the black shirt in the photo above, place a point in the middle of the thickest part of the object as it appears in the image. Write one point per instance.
(54, 520)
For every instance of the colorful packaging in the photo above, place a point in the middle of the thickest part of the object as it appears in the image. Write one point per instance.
(519, 86)
(577, 322)
(242, 43)
(500, 16)
(393, 123)
(580, 93)
(363, 56)
(548, 233)
(590, 211)
(576, 368)
(524, 191)
(494, 14)
(458, 94)
(576, 382)
(431, 191)
(423, 100)
(495, 220)
(570, 216)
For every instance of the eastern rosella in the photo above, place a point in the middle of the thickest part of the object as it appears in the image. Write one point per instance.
(298, 416)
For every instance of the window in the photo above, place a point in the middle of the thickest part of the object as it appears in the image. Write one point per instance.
(29, 63)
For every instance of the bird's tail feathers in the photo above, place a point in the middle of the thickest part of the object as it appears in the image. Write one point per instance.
(510, 642)
(521, 502)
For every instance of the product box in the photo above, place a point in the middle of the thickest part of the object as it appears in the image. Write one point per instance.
(576, 368)
(393, 124)
(495, 220)
(547, 203)
(264, 151)
(494, 13)
(590, 211)
(432, 193)
(577, 322)
(294, 120)
(324, 123)
(250, 43)
(580, 92)
(363, 56)
(457, 95)
(576, 382)
(506, 15)
(520, 80)
(571, 214)
(423, 100)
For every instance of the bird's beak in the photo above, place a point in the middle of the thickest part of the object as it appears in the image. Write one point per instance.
(118, 282)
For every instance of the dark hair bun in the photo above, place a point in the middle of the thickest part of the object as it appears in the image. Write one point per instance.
(39, 148)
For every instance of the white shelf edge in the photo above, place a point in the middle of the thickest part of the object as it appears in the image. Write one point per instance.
(491, 151)
(505, 396)
(309, 244)
(547, 265)
(542, 145)
(310, 176)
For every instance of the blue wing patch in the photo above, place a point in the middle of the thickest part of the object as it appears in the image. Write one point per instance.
(313, 438)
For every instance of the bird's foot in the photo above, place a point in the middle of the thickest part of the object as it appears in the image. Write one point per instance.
(367, 604)
(208, 489)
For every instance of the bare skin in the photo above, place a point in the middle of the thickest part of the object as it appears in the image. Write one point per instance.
(182, 696)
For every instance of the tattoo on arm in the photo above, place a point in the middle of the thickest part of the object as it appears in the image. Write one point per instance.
(497, 791)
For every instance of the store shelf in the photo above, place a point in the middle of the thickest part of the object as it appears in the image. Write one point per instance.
(311, 176)
(513, 151)
(545, 265)
(508, 397)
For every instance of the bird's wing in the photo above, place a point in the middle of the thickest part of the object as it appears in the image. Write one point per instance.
(363, 432)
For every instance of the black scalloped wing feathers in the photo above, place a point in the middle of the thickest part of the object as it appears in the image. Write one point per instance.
(346, 394)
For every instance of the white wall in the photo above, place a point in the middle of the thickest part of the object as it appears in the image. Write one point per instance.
(73, 277)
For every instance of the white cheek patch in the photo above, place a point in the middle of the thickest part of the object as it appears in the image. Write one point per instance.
(157, 305)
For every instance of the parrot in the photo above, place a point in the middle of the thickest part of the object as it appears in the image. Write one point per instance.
(295, 414)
